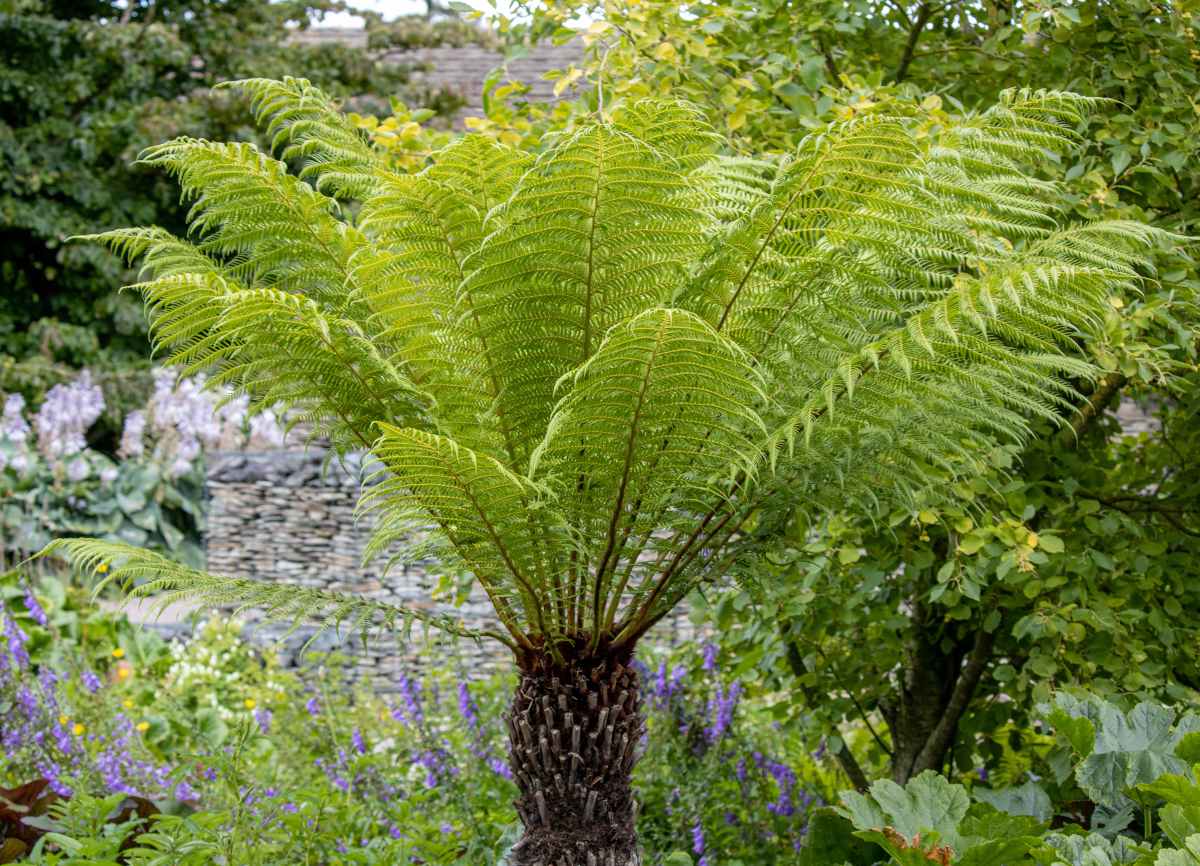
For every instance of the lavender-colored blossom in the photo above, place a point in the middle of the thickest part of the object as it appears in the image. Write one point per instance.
(16, 642)
(185, 792)
(263, 717)
(313, 706)
(13, 425)
(710, 657)
(698, 843)
(466, 707)
(34, 608)
(721, 707)
(410, 695)
(108, 474)
(90, 681)
(265, 430)
(785, 780)
(65, 416)
(133, 436)
(78, 470)
(820, 750)
(356, 739)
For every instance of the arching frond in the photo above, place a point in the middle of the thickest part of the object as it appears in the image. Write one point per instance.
(653, 426)
(602, 227)
(145, 574)
(305, 125)
(485, 510)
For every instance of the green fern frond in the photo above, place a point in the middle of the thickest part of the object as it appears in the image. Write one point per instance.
(305, 125)
(600, 228)
(145, 574)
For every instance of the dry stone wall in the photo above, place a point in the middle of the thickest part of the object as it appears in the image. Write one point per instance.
(291, 516)
(462, 69)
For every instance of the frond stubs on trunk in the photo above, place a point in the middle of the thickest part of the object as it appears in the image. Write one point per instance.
(574, 730)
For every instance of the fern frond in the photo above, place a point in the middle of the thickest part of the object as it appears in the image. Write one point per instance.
(602, 227)
(485, 510)
(305, 125)
(657, 421)
(145, 574)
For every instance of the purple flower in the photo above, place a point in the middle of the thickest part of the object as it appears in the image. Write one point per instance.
(820, 751)
(34, 608)
(263, 717)
(313, 706)
(14, 427)
(132, 434)
(785, 780)
(395, 832)
(710, 657)
(698, 843)
(90, 681)
(983, 774)
(410, 694)
(466, 707)
(185, 792)
(65, 415)
(721, 707)
(356, 738)
(16, 641)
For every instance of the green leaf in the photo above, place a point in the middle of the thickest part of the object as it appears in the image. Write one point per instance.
(1050, 543)
(1028, 799)
(928, 803)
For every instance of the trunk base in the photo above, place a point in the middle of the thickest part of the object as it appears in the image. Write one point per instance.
(573, 734)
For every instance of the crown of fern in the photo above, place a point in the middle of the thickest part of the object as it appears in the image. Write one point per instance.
(583, 371)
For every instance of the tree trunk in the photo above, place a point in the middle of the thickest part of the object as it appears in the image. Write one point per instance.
(574, 729)
(936, 687)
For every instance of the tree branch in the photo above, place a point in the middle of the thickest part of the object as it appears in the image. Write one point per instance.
(914, 35)
(943, 736)
(845, 757)
(830, 62)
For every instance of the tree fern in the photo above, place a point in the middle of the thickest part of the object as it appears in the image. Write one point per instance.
(585, 372)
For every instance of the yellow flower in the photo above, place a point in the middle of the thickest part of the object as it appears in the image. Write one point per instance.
(250, 703)
(118, 653)
(143, 726)
(78, 729)
(62, 720)
(123, 673)
(102, 567)
(127, 703)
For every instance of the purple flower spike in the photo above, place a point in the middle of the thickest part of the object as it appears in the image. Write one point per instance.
(35, 609)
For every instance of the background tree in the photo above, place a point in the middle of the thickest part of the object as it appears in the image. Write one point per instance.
(84, 86)
(586, 374)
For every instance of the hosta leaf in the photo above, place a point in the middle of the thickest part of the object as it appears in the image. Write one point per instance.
(1028, 799)
(1188, 855)
(928, 803)
(1130, 749)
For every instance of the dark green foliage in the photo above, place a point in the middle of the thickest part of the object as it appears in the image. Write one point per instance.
(831, 840)
(82, 90)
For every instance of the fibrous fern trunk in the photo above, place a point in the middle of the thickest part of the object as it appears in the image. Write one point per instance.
(574, 729)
